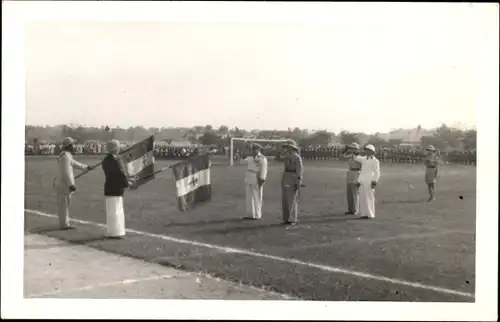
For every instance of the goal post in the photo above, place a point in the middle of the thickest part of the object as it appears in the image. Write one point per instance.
(233, 140)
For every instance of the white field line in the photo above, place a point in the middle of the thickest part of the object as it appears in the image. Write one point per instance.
(279, 259)
(108, 284)
(383, 239)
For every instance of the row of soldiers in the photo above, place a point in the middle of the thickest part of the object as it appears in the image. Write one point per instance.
(396, 155)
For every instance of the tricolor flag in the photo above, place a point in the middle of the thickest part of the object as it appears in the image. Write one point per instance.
(192, 180)
(139, 161)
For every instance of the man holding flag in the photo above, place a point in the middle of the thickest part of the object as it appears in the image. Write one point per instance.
(130, 168)
(114, 187)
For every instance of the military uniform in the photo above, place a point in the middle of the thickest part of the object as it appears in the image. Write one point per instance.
(352, 177)
(63, 182)
(431, 171)
(257, 169)
(290, 185)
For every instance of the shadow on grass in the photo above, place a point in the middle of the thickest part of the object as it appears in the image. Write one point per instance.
(204, 222)
(66, 243)
(403, 201)
(255, 225)
(42, 230)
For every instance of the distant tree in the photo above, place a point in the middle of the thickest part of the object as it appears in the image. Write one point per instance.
(436, 141)
(348, 137)
(317, 138)
(223, 130)
(376, 141)
(450, 137)
(199, 129)
(238, 133)
(209, 138)
(470, 139)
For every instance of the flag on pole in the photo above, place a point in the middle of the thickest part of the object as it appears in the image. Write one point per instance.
(139, 161)
(192, 180)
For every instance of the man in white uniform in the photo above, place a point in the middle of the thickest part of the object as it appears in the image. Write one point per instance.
(254, 182)
(64, 183)
(368, 180)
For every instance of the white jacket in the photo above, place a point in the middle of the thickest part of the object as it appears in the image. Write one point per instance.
(370, 170)
(65, 176)
(257, 168)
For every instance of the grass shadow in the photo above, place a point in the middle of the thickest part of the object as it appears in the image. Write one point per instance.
(66, 243)
(198, 223)
(384, 202)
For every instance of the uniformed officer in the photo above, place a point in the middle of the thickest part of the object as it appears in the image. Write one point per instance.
(254, 180)
(431, 171)
(291, 183)
(355, 162)
(64, 182)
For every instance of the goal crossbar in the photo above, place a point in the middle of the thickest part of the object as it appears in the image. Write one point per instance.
(231, 148)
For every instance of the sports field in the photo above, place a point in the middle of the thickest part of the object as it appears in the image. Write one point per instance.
(412, 251)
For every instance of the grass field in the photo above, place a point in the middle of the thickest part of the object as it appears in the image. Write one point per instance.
(412, 251)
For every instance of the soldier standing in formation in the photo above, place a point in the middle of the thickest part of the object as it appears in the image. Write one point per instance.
(291, 183)
(431, 171)
(64, 183)
(352, 178)
(368, 180)
(254, 180)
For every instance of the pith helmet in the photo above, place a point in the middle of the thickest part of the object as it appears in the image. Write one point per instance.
(354, 145)
(67, 142)
(370, 147)
(257, 146)
(291, 144)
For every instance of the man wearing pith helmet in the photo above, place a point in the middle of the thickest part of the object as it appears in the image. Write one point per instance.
(367, 181)
(64, 182)
(254, 181)
(291, 183)
(431, 170)
(355, 163)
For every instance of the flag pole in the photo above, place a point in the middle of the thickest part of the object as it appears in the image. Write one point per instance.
(87, 171)
(107, 129)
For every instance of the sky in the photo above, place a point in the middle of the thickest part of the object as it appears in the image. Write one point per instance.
(369, 69)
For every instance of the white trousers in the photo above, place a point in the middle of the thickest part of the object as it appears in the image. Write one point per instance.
(115, 217)
(254, 200)
(366, 199)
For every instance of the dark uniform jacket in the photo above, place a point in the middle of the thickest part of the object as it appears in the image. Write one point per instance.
(116, 178)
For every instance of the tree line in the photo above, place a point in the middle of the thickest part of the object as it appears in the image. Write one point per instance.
(442, 137)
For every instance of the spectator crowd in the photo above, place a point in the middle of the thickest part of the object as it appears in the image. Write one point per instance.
(395, 155)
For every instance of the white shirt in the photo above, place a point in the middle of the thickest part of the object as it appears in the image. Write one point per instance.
(257, 168)
(370, 169)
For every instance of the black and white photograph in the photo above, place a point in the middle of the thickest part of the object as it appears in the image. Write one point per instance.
(287, 159)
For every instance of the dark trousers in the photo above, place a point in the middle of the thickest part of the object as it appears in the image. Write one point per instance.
(352, 198)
